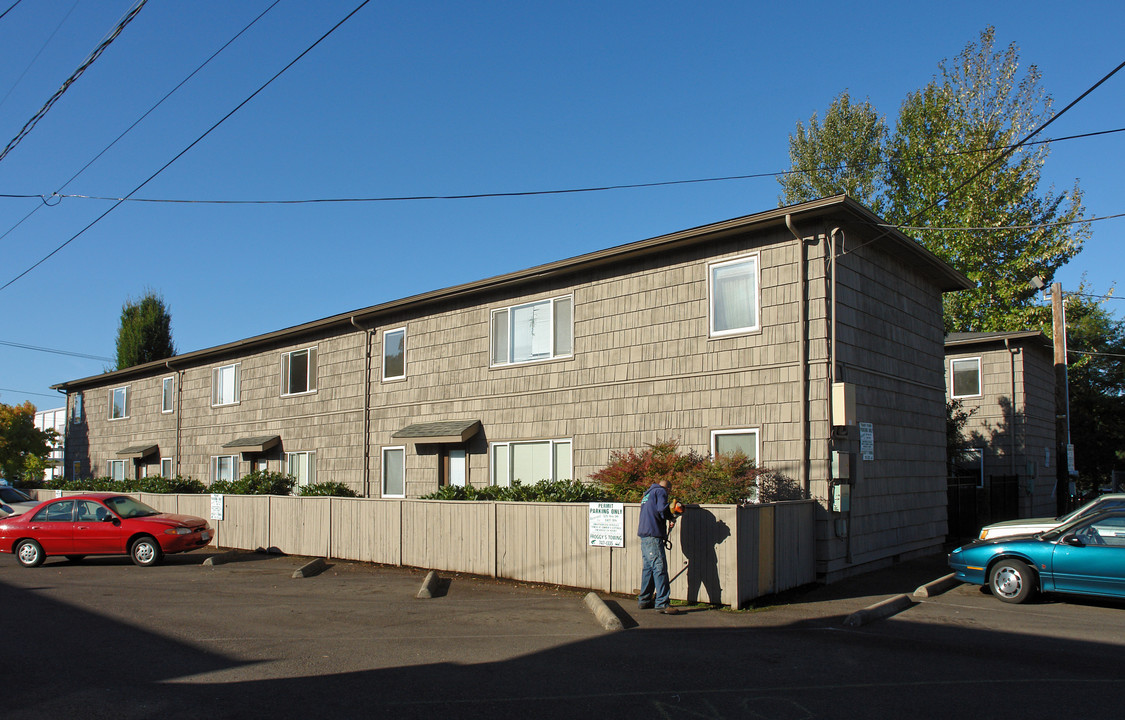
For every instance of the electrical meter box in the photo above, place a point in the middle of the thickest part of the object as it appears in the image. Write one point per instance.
(841, 498)
(843, 404)
(841, 466)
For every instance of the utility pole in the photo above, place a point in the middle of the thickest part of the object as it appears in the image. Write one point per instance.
(1062, 401)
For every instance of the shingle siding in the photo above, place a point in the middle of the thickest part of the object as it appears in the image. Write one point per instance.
(644, 368)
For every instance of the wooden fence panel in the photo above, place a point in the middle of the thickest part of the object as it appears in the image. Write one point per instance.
(300, 525)
(446, 535)
(367, 530)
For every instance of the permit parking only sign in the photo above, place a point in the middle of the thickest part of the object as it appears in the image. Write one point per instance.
(607, 524)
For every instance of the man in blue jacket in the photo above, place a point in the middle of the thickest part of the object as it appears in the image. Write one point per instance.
(653, 531)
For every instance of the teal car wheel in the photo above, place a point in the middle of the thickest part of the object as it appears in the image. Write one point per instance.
(1012, 581)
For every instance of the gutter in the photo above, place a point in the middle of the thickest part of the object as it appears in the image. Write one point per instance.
(366, 407)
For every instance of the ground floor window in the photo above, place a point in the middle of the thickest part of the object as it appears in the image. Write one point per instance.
(302, 466)
(116, 470)
(969, 465)
(726, 442)
(531, 461)
(394, 472)
(166, 467)
(224, 468)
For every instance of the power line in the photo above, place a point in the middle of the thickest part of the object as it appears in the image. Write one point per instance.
(1098, 354)
(46, 199)
(27, 392)
(1005, 227)
(189, 147)
(74, 76)
(10, 8)
(141, 118)
(41, 49)
(55, 352)
(999, 158)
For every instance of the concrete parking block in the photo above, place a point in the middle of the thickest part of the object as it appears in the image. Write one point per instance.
(879, 611)
(601, 611)
(429, 586)
(937, 587)
(309, 569)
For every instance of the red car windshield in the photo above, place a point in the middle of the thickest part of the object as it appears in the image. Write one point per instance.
(127, 507)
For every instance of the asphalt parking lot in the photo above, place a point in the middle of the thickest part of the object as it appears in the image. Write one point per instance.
(104, 638)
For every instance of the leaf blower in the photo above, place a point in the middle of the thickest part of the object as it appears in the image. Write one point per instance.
(672, 513)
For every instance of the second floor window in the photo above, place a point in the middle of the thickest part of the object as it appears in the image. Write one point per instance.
(394, 354)
(298, 372)
(965, 377)
(533, 331)
(167, 393)
(225, 385)
(118, 403)
(733, 286)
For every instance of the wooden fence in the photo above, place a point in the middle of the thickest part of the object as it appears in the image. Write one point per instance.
(721, 554)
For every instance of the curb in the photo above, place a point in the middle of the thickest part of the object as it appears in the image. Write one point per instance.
(309, 569)
(601, 611)
(221, 558)
(937, 587)
(429, 586)
(879, 611)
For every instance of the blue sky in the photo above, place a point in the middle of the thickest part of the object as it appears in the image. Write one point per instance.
(432, 98)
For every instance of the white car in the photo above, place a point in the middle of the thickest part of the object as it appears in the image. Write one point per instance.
(14, 502)
(1030, 526)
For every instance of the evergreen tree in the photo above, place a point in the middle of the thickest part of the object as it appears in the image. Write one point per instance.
(145, 333)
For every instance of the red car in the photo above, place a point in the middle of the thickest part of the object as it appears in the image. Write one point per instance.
(100, 524)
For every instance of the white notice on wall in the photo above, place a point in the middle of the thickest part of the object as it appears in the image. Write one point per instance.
(216, 507)
(867, 440)
(607, 524)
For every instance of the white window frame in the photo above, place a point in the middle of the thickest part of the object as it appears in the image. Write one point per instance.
(383, 471)
(963, 462)
(109, 469)
(216, 373)
(385, 334)
(76, 409)
(501, 348)
(952, 382)
(171, 467)
(124, 390)
(310, 371)
(168, 394)
(715, 434)
(215, 460)
(308, 457)
(756, 260)
(505, 480)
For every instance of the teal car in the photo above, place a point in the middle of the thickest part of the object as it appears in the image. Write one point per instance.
(1085, 556)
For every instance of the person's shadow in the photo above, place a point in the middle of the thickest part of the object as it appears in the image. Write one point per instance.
(700, 533)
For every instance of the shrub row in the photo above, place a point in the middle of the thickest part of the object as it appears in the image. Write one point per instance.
(254, 483)
(542, 491)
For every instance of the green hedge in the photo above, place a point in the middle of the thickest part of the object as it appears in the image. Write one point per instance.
(255, 483)
(542, 491)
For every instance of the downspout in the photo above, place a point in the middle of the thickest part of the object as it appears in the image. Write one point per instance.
(366, 407)
(65, 444)
(832, 373)
(802, 358)
(179, 408)
(1012, 376)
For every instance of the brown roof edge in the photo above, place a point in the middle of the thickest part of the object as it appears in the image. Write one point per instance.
(950, 280)
(979, 338)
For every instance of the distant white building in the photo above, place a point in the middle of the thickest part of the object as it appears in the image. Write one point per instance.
(53, 420)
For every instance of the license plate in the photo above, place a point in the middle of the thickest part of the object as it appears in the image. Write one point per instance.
(205, 536)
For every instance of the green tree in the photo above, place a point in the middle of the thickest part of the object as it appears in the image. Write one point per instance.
(21, 443)
(956, 126)
(1096, 370)
(145, 333)
(847, 151)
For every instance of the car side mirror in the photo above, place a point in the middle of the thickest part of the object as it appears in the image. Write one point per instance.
(109, 519)
(1072, 540)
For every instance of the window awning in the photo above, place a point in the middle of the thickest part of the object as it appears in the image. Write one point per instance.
(255, 444)
(447, 431)
(138, 451)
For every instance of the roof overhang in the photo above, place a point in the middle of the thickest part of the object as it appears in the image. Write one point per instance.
(961, 340)
(446, 431)
(255, 444)
(138, 452)
(811, 218)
